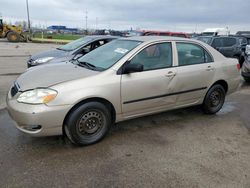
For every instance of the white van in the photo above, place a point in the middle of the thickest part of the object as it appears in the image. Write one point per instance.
(215, 31)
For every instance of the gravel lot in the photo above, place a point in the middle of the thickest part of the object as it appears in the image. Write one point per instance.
(181, 148)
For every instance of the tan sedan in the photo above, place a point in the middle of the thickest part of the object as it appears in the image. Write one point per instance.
(127, 78)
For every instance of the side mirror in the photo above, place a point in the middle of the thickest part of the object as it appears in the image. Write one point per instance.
(130, 68)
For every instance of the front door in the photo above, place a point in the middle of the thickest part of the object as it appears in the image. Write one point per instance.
(148, 91)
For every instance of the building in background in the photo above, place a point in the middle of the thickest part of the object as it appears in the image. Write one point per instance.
(61, 29)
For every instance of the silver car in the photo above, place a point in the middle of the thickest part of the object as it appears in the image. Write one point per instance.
(125, 79)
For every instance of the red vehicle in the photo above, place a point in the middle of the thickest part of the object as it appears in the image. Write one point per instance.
(158, 33)
(166, 33)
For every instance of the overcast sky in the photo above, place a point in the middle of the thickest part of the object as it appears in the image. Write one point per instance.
(172, 15)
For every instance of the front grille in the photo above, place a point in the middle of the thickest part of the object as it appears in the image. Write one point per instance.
(14, 90)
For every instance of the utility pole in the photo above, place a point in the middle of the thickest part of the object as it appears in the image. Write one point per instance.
(86, 21)
(96, 23)
(28, 14)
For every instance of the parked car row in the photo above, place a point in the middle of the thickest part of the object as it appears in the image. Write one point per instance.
(71, 50)
(123, 79)
(234, 46)
(229, 46)
(82, 46)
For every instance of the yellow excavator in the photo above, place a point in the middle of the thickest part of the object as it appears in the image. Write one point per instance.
(12, 33)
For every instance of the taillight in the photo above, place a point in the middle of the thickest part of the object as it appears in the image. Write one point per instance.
(238, 66)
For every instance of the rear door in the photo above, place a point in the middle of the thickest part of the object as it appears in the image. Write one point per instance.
(195, 72)
(148, 91)
(228, 45)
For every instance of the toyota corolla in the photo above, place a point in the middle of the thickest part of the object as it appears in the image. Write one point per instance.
(124, 79)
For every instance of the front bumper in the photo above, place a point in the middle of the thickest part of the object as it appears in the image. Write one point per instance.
(37, 120)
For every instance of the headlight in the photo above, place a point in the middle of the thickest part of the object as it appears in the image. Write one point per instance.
(43, 60)
(37, 96)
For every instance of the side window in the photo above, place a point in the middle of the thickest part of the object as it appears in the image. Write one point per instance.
(97, 44)
(190, 54)
(178, 35)
(102, 42)
(86, 49)
(227, 42)
(155, 56)
(164, 34)
(217, 42)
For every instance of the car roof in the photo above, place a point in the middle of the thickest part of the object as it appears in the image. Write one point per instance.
(204, 36)
(157, 38)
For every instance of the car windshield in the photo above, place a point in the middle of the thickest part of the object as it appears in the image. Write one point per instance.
(75, 44)
(107, 55)
(205, 39)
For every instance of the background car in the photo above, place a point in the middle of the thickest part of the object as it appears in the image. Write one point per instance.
(229, 46)
(245, 70)
(66, 52)
(124, 79)
(206, 39)
(157, 33)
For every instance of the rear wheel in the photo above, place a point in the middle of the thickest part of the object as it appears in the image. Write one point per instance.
(88, 123)
(247, 79)
(214, 99)
(13, 36)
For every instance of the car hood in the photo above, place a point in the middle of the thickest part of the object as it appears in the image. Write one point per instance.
(52, 74)
(52, 53)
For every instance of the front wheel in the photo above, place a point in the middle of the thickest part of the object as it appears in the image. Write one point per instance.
(214, 99)
(13, 36)
(88, 123)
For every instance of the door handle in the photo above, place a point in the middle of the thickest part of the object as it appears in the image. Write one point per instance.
(209, 68)
(170, 74)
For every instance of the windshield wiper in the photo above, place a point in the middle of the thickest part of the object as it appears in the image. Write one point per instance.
(86, 65)
(62, 49)
(89, 65)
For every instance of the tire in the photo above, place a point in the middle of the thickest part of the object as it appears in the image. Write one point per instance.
(241, 61)
(214, 99)
(88, 123)
(247, 79)
(13, 36)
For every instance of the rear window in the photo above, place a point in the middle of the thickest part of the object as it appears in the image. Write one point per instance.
(191, 54)
(178, 35)
(224, 42)
(164, 34)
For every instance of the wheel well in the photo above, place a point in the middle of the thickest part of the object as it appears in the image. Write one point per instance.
(108, 104)
(240, 58)
(223, 83)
